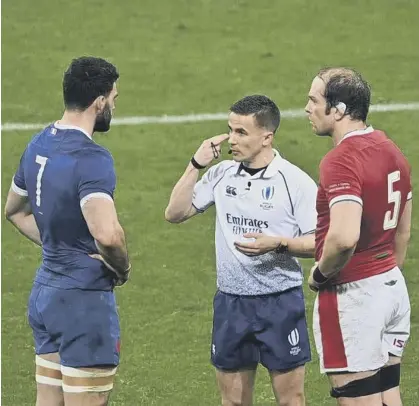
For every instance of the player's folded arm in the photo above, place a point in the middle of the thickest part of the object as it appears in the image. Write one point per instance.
(345, 224)
(96, 186)
(404, 224)
(343, 186)
(16, 204)
(17, 199)
(102, 220)
(402, 237)
(18, 211)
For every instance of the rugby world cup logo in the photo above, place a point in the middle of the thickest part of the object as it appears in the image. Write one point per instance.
(294, 339)
(268, 192)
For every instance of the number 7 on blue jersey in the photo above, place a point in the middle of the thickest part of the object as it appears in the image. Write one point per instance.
(41, 160)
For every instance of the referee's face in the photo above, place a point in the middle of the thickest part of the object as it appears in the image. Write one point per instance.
(247, 140)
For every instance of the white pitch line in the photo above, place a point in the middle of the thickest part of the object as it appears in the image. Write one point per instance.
(195, 118)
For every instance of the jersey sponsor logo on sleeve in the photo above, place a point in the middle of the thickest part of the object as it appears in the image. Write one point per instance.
(338, 186)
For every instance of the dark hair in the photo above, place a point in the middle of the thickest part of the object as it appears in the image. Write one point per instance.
(347, 86)
(266, 112)
(85, 80)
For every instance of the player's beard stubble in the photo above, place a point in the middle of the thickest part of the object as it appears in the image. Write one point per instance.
(103, 120)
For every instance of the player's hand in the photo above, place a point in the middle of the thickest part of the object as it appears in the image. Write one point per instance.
(311, 283)
(119, 279)
(261, 245)
(210, 149)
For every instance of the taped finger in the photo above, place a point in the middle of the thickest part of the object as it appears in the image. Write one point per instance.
(215, 150)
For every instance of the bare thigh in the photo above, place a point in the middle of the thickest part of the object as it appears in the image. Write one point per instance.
(87, 386)
(48, 380)
(236, 388)
(288, 386)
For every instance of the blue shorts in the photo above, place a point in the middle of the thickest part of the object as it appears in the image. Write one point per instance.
(269, 329)
(81, 325)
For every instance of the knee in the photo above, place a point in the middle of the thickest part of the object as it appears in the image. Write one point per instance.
(294, 399)
(236, 398)
(235, 401)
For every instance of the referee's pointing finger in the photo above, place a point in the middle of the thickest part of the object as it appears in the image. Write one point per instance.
(218, 139)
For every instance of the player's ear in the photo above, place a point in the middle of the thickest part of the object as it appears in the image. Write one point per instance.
(340, 110)
(100, 103)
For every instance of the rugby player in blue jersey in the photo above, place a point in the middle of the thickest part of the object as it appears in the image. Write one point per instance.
(61, 198)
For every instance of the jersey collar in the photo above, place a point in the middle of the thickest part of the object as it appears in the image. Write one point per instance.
(71, 127)
(268, 172)
(365, 131)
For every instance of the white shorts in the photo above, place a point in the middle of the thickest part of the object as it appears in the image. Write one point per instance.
(357, 324)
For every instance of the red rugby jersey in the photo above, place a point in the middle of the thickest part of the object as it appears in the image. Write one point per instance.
(366, 167)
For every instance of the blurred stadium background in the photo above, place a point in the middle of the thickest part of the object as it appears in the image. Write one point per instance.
(189, 57)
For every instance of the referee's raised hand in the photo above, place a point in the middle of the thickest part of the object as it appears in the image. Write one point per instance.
(209, 150)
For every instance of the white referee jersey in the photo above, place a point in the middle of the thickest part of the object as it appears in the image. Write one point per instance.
(280, 200)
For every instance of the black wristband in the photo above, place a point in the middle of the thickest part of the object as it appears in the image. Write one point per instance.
(318, 277)
(196, 164)
(281, 249)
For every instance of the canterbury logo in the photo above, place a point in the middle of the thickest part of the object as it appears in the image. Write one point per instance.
(231, 191)
(294, 337)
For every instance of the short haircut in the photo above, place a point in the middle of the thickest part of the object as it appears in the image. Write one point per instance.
(266, 112)
(347, 86)
(85, 80)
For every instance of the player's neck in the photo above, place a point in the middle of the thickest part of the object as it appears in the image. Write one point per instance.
(78, 119)
(261, 160)
(346, 127)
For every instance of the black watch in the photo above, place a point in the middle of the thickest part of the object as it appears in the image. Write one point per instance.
(281, 249)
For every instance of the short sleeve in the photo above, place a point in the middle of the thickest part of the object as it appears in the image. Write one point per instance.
(340, 179)
(305, 205)
(203, 194)
(96, 176)
(19, 183)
